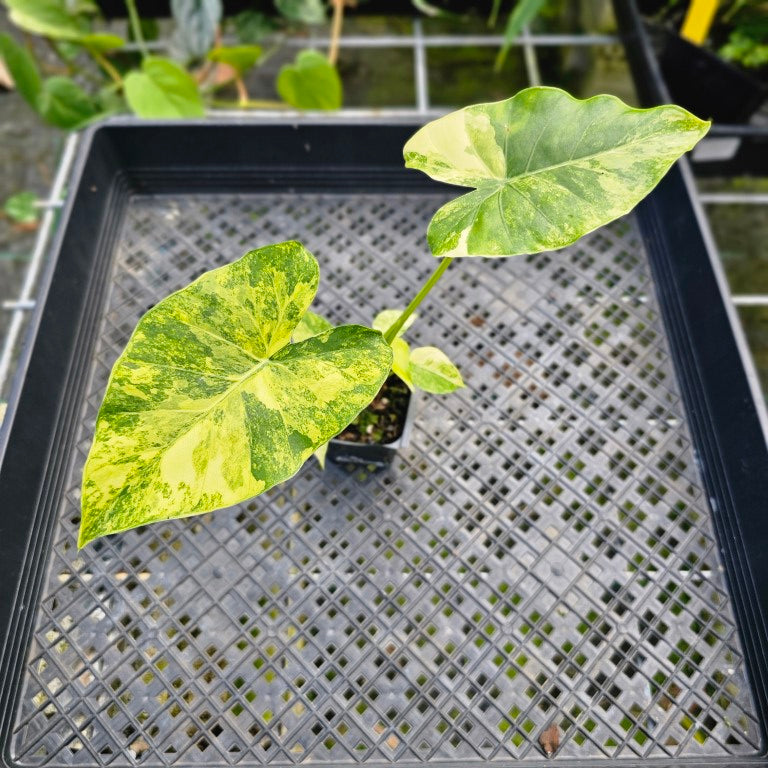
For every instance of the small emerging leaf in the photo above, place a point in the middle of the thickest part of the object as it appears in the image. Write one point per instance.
(388, 317)
(547, 168)
(401, 360)
(22, 207)
(311, 82)
(163, 89)
(432, 371)
(23, 69)
(210, 404)
(320, 455)
(240, 57)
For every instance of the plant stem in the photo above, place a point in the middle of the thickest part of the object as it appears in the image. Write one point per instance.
(338, 19)
(390, 335)
(103, 62)
(242, 93)
(494, 15)
(133, 14)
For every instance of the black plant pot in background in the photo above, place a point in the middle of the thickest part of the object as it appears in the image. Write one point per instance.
(704, 84)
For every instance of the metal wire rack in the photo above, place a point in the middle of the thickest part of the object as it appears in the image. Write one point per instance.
(420, 44)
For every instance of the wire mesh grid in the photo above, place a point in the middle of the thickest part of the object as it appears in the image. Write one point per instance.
(541, 555)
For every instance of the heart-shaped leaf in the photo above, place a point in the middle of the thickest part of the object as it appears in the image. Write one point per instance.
(388, 317)
(240, 57)
(547, 168)
(163, 89)
(312, 82)
(210, 404)
(63, 103)
(432, 371)
(22, 207)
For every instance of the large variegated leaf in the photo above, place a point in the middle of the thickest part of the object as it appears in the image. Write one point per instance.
(211, 404)
(547, 168)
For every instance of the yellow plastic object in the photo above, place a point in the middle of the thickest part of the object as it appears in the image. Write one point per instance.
(698, 20)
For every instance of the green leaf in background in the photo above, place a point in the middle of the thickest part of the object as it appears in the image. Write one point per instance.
(311, 324)
(102, 42)
(63, 103)
(196, 25)
(50, 18)
(210, 404)
(522, 14)
(547, 168)
(163, 89)
(23, 69)
(240, 57)
(303, 11)
(251, 27)
(22, 207)
(432, 371)
(311, 82)
(388, 317)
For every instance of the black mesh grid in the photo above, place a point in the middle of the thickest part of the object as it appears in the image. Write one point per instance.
(541, 554)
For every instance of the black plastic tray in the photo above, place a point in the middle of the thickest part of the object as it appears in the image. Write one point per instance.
(467, 502)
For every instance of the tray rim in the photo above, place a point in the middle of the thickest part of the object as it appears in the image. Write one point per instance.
(732, 482)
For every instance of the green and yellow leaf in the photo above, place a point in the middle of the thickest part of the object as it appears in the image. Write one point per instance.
(547, 168)
(401, 360)
(210, 404)
(311, 324)
(432, 371)
(388, 317)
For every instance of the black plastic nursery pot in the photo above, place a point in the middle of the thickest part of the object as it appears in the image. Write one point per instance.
(576, 540)
(669, 69)
(374, 455)
(705, 84)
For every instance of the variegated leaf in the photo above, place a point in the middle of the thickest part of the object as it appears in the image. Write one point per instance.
(211, 404)
(311, 324)
(547, 168)
(401, 360)
(432, 371)
(388, 317)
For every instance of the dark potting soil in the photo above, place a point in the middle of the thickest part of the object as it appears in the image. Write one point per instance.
(384, 419)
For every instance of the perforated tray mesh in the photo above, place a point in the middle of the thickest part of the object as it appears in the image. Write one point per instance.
(541, 554)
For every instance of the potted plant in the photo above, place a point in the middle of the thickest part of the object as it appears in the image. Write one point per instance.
(227, 386)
